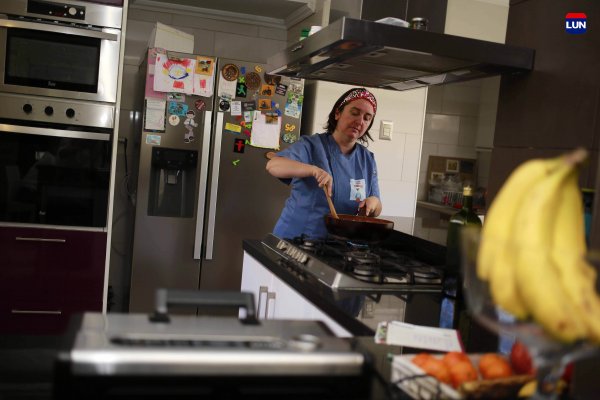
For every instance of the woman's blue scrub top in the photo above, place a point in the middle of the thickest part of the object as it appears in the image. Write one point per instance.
(354, 179)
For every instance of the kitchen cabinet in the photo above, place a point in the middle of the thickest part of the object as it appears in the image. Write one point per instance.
(275, 299)
(46, 275)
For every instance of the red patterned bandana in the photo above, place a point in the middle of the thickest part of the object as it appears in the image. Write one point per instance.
(360, 94)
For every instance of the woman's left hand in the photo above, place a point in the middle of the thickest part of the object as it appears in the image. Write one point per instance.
(371, 206)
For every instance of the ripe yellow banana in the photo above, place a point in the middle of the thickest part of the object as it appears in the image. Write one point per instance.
(495, 259)
(537, 276)
(568, 251)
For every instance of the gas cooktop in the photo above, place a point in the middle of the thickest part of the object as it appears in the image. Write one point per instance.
(352, 266)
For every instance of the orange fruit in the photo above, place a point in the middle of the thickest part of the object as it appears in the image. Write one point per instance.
(437, 368)
(462, 371)
(493, 366)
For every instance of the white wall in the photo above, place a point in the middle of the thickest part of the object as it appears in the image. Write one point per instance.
(398, 159)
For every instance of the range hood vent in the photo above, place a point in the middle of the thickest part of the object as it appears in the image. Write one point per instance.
(367, 53)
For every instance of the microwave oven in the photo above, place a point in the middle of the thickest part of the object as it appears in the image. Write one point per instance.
(60, 49)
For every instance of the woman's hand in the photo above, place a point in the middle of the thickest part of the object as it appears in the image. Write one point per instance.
(371, 206)
(323, 179)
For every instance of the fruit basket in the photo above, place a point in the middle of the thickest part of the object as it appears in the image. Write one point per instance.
(418, 385)
(549, 355)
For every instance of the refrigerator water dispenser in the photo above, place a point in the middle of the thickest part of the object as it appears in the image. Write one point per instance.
(172, 182)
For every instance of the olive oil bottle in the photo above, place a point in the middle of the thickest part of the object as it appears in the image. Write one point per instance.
(474, 337)
(466, 216)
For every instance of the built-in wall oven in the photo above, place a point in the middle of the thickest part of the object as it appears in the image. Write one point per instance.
(60, 49)
(58, 88)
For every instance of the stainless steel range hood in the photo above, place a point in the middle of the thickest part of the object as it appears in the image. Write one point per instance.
(373, 54)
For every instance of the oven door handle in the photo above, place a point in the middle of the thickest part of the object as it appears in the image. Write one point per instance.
(54, 132)
(9, 23)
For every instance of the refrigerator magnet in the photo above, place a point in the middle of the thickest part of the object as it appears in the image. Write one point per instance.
(264, 104)
(200, 105)
(224, 105)
(239, 145)
(248, 106)
(204, 65)
(232, 128)
(272, 79)
(189, 125)
(153, 140)
(241, 90)
(230, 72)
(180, 97)
(281, 89)
(173, 120)
(253, 80)
(236, 108)
(177, 108)
(267, 90)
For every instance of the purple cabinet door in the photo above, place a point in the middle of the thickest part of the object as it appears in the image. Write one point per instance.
(47, 275)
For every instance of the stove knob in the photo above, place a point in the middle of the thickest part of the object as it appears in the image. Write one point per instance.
(49, 110)
(281, 245)
(304, 259)
(27, 108)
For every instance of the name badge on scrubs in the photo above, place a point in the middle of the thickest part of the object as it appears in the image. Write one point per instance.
(357, 189)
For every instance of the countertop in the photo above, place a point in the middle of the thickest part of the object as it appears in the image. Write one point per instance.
(345, 309)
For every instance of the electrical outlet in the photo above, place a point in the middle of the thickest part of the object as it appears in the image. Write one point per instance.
(385, 130)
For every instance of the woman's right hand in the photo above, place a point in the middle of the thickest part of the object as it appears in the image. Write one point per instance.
(323, 179)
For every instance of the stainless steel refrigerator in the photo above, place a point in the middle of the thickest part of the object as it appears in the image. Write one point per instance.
(202, 184)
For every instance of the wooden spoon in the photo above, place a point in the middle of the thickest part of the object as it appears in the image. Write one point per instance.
(331, 207)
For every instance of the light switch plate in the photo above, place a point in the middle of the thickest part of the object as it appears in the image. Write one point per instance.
(385, 130)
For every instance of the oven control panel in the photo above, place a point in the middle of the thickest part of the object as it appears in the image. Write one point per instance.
(55, 111)
(52, 9)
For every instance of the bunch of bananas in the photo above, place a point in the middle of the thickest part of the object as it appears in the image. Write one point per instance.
(532, 250)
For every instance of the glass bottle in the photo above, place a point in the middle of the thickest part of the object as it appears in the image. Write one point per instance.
(453, 304)
(466, 216)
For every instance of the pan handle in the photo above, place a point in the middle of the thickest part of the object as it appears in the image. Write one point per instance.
(165, 298)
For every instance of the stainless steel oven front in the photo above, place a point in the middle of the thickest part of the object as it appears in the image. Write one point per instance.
(55, 160)
(67, 49)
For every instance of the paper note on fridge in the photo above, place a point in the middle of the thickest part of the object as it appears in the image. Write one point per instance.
(155, 115)
(174, 74)
(422, 337)
(265, 134)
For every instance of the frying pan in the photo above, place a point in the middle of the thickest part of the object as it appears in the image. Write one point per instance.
(358, 227)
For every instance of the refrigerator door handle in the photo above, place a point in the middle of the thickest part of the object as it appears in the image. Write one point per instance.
(214, 186)
(202, 187)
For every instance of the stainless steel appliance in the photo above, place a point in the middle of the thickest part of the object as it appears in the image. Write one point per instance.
(137, 355)
(357, 266)
(202, 188)
(55, 170)
(68, 49)
(373, 54)
(58, 87)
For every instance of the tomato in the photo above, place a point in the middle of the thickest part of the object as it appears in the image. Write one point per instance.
(421, 358)
(520, 359)
(462, 371)
(493, 366)
(453, 357)
(436, 368)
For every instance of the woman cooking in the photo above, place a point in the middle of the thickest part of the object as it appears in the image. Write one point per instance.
(335, 161)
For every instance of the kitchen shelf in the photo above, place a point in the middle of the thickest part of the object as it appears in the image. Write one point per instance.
(437, 207)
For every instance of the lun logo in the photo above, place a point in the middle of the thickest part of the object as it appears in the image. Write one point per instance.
(575, 23)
